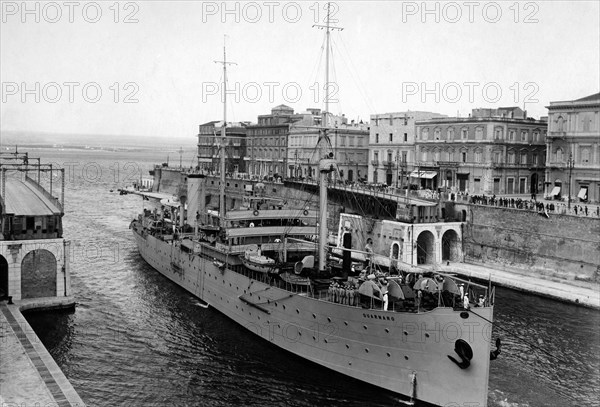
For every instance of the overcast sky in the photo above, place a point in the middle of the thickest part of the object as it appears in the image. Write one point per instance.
(391, 56)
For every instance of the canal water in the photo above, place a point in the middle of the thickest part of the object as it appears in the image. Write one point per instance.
(137, 339)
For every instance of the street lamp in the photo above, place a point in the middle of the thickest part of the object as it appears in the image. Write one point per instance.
(570, 164)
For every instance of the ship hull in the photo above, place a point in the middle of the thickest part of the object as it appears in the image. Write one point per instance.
(406, 353)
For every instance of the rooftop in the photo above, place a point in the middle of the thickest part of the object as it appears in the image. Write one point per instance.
(27, 198)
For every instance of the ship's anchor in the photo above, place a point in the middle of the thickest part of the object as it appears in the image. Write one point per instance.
(494, 354)
(462, 349)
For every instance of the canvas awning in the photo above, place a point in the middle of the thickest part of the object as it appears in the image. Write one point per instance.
(555, 191)
(582, 193)
(423, 174)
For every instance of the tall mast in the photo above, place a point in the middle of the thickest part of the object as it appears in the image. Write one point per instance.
(223, 134)
(326, 163)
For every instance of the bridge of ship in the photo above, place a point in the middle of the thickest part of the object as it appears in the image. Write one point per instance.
(376, 203)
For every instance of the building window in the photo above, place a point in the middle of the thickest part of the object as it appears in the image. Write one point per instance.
(498, 134)
(424, 155)
(478, 156)
(496, 157)
(536, 136)
(425, 134)
(463, 156)
(524, 135)
(559, 155)
(436, 155)
(464, 133)
(377, 137)
(479, 133)
(585, 156)
(390, 156)
(376, 156)
(511, 135)
(405, 137)
(404, 156)
(524, 158)
(511, 157)
(534, 159)
(391, 137)
(437, 132)
(560, 124)
(342, 140)
(450, 134)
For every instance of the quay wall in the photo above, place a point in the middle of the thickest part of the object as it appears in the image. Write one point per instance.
(561, 246)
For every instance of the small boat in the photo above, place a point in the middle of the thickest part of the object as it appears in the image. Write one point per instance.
(256, 261)
(295, 279)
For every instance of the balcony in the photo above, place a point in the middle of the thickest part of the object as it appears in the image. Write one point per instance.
(557, 135)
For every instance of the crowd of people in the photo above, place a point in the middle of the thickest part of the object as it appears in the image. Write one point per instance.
(343, 293)
(535, 205)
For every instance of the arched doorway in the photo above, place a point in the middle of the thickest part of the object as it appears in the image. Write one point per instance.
(425, 248)
(38, 274)
(450, 249)
(3, 277)
(395, 253)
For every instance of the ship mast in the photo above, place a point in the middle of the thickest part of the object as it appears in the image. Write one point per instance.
(223, 134)
(326, 163)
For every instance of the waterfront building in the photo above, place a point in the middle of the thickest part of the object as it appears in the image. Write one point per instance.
(392, 146)
(493, 151)
(33, 253)
(267, 142)
(573, 154)
(209, 142)
(349, 144)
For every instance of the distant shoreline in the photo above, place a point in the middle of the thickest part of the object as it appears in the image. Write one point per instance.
(124, 148)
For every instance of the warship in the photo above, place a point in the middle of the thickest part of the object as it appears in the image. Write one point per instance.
(265, 263)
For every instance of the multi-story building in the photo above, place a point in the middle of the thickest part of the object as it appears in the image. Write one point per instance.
(573, 154)
(392, 146)
(209, 143)
(493, 151)
(267, 142)
(349, 144)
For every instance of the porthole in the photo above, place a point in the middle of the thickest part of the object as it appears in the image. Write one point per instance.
(389, 355)
(365, 327)
(347, 346)
(406, 357)
(405, 333)
(366, 350)
(426, 335)
(387, 331)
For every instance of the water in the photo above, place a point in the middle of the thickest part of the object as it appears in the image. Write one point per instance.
(137, 339)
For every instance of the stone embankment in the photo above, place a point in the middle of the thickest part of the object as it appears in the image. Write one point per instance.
(29, 376)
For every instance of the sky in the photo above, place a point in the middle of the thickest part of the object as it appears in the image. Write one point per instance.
(146, 68)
